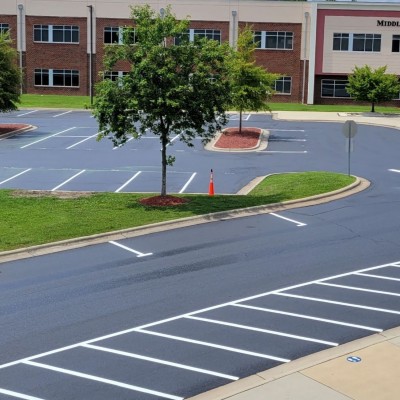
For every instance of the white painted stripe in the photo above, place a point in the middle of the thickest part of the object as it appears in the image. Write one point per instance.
(29, 112)
(159, 361)
(254, 329)
(188, 182)
(59, 115)
(216, 346)
(288, 219)
(286, 130)
(394, 170)
(287, 152)
(173, 139)
(19, 395)
(14, 176)
(136, 329)
(338, 303)
(378, 276)
(287, 140)
(120, 145)
(358, 289)
(68, 180)
(47, 137)
(329, 321)
(138, 253)
(128, 182)
(102, 380)
(81, 141)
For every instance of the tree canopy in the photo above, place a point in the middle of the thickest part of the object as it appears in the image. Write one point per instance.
(251, 85)
(10, 77)
(174, 86)
(373, 85)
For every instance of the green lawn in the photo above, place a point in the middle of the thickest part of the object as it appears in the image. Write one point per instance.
(83, 102)
(31, 220)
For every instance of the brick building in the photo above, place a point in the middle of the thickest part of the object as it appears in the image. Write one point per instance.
(313, 45)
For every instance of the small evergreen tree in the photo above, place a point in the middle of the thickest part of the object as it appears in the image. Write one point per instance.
(10, 77)
(374, 86)
(251, 85)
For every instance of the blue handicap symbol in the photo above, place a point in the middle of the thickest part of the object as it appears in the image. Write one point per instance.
(353, 359)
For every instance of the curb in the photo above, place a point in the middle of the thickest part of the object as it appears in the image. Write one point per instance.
(24, 129)
(359, 185)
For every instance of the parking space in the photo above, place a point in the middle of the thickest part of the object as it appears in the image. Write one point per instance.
(187, 354)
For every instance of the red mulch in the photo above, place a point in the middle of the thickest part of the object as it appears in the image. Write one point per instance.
(7, 128)
(231, 139)
(163, 201)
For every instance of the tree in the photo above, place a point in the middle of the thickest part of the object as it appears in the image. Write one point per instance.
(251, 85)
(174, 87)
(10, 77)
(374, 86)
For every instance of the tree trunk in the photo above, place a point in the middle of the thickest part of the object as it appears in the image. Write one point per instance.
(373, 107)
(240, 121)
(163, 164)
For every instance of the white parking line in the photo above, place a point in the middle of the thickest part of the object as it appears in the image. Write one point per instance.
(163, 362)
(128, 182)
(138, 253)
(286, 130)
(288, 219)
(81, 141)
(14, 176)
(317, 299)
(19, 395)
(68, 180)
(378, 276)
(286, 152)
(214, 345)
(328, 321)
(394, 170)
(103, 380)
(29, 112)
(59, 115)
(173, 139)
(287, 140)
(254, 329)
(188, 182)
(47, 137)
(358, 289)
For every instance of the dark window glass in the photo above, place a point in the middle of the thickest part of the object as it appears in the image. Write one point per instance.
(4, 28)
(396, 44)
(41, 77)
(111, 35)
(257, 39)
(58, 34)
(341, 41)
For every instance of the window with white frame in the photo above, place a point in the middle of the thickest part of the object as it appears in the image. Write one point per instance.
(334, 88)
(283, 85)
(363, 42)
(4, 28)
(193, 34)
(117, 34)
(114, 75)
(56, 77)
(396, 44)
(56, 33)
(274, 40)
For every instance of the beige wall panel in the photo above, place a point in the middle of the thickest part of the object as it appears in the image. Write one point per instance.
(344, 62)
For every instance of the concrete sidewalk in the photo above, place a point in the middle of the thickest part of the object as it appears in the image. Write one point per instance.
(329, 374)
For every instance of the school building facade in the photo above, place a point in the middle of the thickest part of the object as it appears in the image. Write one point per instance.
(312, 45)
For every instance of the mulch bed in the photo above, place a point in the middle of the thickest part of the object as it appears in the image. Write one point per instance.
(231, 139)
(7, 128)
(163, 201)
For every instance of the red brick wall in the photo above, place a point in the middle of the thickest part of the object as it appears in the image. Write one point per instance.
(283, 62)
(56, 56)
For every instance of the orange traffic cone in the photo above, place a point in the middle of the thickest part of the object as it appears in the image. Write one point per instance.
(211, 185)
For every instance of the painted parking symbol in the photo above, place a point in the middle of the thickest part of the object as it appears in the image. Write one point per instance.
(354, 359)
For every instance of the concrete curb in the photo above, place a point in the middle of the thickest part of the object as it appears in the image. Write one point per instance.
(359, 185)
(16, 132)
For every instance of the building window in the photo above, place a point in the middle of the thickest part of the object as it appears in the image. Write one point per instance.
(273, 40)
(4, 28)
(56, 77)
(114, 75)
(357, 42)
(193, 34)
(366, 42)
(117, 34)
(334, 88)
(341, 41)
(283, 85)
(396, 44)
(56, 33)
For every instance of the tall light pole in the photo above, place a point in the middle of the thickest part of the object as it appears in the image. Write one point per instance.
(234, 13)
(91, 55)
(306, 15)
(21, 37)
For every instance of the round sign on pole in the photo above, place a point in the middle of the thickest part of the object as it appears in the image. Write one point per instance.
(349, 129)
